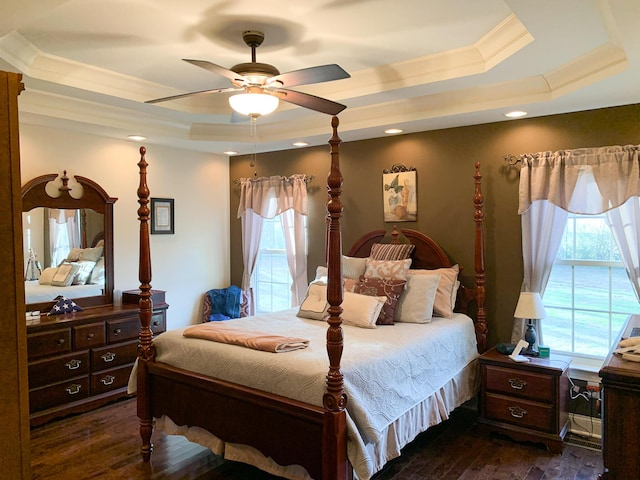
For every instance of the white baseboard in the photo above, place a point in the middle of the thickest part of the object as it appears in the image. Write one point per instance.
(586, 426)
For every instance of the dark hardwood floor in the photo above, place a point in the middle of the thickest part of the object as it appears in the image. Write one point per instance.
(104, 444)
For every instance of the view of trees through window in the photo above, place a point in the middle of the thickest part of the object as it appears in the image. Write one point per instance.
(271, 275)
(589, 295)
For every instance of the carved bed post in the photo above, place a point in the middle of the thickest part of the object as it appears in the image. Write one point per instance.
(334, 443)
(481, 322)
(146, 350)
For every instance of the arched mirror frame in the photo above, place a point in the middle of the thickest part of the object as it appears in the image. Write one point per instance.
(93, 197)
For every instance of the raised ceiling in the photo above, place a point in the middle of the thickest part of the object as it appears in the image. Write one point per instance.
(418, 65)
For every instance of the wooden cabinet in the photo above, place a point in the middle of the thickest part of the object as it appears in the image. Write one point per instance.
(82, 360)
(621, 412)
(525, 401)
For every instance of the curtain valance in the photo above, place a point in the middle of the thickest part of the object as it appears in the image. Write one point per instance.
(584, 181)
(270, 196)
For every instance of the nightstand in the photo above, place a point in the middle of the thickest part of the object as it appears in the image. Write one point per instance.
(525, 401)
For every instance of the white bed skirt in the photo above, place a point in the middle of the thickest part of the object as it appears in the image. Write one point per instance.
(366, 459)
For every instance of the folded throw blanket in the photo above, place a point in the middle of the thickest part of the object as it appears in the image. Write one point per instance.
(224, 333)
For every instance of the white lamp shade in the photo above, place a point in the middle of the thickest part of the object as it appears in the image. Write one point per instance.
(530, 306)
(253, 104)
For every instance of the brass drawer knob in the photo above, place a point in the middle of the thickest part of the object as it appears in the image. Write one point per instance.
(73, 364)
(107, 380)
(61, 341)
(517, 412)
(117, 331)
(90, 336)
(108, 357)
(517, 384)
(73, 389)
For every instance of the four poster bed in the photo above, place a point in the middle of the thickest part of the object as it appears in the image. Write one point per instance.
(301, 415)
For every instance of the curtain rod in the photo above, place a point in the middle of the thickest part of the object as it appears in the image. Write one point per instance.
(307, 179)
(515, 159)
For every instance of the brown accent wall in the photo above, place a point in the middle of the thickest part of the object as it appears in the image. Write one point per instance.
(445, 164)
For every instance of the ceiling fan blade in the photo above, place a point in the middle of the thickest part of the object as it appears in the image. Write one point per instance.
(308, 101)
(182, 95)
(213, 68)
(306, 76)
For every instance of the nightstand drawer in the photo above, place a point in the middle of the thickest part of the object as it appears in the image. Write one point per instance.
(512, 382)
(517, 411)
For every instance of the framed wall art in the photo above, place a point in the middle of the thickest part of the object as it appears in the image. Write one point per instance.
(162, 215)
(399, 194)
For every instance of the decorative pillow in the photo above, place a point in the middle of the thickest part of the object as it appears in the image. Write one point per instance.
(47, 275)
(391, 251)
(64, 305)
(416, 303)
(389, 269)
(86, 267)
(321, 272)
(65, 274)
(314, 305)
(353, 267)
(77, 254)
(380, 287)
(444, 302)
(97, 274)
(361, 310)
(349, 284)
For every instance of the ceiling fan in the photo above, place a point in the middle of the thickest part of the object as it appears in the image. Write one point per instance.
(264, 80)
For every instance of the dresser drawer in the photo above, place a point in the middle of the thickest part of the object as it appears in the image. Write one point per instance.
(87, 336)
(108, 380)
(53, 370)
(519, 383)
(49, 343)
(58, 394)
(517, 411)
(122, 330)
(113, 355)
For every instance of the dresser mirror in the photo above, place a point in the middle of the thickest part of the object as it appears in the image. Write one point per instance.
(67, 241)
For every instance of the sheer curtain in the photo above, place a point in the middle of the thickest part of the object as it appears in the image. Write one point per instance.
(64, 234)
(582, 181)
(268, 197)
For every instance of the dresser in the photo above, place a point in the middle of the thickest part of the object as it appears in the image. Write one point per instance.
(526, 401)
(621, 412)
(80, 361)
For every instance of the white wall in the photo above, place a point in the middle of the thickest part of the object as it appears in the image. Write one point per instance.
(186, 264)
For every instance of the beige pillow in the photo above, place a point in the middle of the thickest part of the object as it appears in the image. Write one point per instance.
(446, 293)
(47, 275)
(84, 272)
(314, 305)
(416, 303)
(361, 310)
(65, 274)
(389, 269)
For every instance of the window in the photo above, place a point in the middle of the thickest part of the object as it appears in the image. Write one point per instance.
(588, 296)
(272, 276)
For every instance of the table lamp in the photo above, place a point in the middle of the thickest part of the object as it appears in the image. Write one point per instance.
(530, 307)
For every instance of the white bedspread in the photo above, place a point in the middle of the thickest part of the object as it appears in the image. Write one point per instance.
(387, 371)
(36, 293)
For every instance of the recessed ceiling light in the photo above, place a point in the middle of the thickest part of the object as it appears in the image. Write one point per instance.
(515, 114)
(300, 144)
(230, 152)
(393, 131)
(137, 138)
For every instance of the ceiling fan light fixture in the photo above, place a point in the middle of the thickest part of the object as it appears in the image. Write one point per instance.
(253, 104)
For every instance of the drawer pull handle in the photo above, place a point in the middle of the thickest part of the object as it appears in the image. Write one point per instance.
(61, 341)
(73, 364)
(117, 331)
(108, 357)
(90, 336)
(517, 412)
(108, 380)
(156, 323)
(517, 384)
(73, 389)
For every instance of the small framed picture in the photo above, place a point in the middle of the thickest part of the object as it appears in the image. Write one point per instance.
(162, 215)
